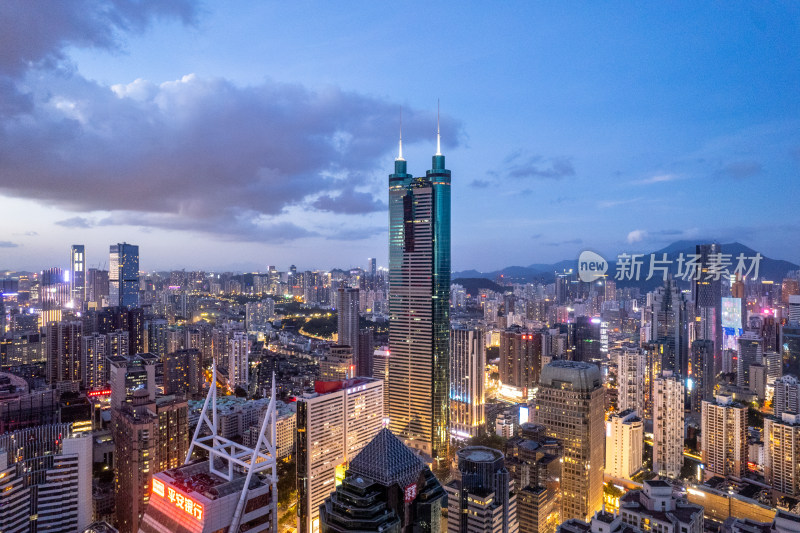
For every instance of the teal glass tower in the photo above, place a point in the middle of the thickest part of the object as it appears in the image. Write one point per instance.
(419, 307)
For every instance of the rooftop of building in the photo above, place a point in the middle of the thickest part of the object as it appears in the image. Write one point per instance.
(578, 374)
(387, 460)
(196, 478)
(480, 454)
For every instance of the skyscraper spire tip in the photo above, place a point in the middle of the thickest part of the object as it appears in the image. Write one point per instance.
(400, 150)
(438, 134)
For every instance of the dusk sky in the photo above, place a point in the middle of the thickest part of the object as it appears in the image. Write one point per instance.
(235, 135)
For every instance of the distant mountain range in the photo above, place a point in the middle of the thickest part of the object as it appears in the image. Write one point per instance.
(771, 269)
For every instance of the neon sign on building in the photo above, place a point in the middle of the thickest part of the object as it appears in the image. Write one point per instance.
(185, 503)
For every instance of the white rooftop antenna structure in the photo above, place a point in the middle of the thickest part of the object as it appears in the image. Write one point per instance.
(228, 454)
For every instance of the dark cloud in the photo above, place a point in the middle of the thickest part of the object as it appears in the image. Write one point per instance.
(8, 244)
(349, 201)
(520, 165)
(562, 243)
(479, 184)
(742, 169)
(76, 222)
(191, 154)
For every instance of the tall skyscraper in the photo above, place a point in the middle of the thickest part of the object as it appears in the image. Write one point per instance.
(702, 373)
(239, 360)
(631, 365)
(707, 297)
(123, 275)
(668, 421)
(781, 445)
(347, 321)
(570, 405)
(787, 396)
(333, 425)
(467, 367)
(751, 352)
(668, 314)
(64, 351)
(520, 360)
(724, 437)
(419, 308)
(77, 276)
(54, 294)
(484, 498)
(94, 350)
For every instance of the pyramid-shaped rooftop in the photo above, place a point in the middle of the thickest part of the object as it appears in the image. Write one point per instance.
(387, 460)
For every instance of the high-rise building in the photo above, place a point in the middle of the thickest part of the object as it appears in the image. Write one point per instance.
(366, 351)
(77, 276)
(333, 425)
(668, 425)
(183, 372)
(570, 405)
(723, 436)
(751, 352)
(467, 367)
(386, 489)
(156, 336)
(520, 360)
(667, 312)
(64, 351)
(587, 339)
(96, 286)
(702, 374)
(54, 294)
(347, 307)
(624, 444)
(94, 351)
(123, 275)
(45, 479)
(337, 364)
(239, 361)
(380, 370)
(233, 489)
(787, 396)
(781, 446)
(707, 296)
(631, 365)
(534, 461)
(419, 308)
(484, 498)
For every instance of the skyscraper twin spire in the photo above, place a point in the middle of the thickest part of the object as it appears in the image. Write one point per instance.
(438, 135)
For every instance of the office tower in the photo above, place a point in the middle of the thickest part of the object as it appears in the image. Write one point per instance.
(484, 498)
(624, 444)
(787, 396)
(570, 405)
(94, 350)
(794, 308)
(239, 361)
(789, 287)
(333, 425)
(233, 489)
(123, 275)
(707, 296)
(63, 351)
(724, 437)
(130, 320)
(668, 421)
(790, 347)
(773, 361)
(387, 488)
(631, 365)
(366, 350)
(587, 339)
(45, 479)
(534, 460)
(656, 506)
(54, 294)
(467, 368)
(96, 286)
(702, 373)
(372, 269)
(129, 374)
(751, 352)
(347, 319)
(781, 446)
(419, 309)
(668, 310)
(77, 276)
(520, 360)
(337, 364)
(183, 373)
(150, 434)
(380, 371)
(156, 336)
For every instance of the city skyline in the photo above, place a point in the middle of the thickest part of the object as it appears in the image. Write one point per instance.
(618, 129)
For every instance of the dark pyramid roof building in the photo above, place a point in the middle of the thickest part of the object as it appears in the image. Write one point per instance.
(387, 460)
(387, 489)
